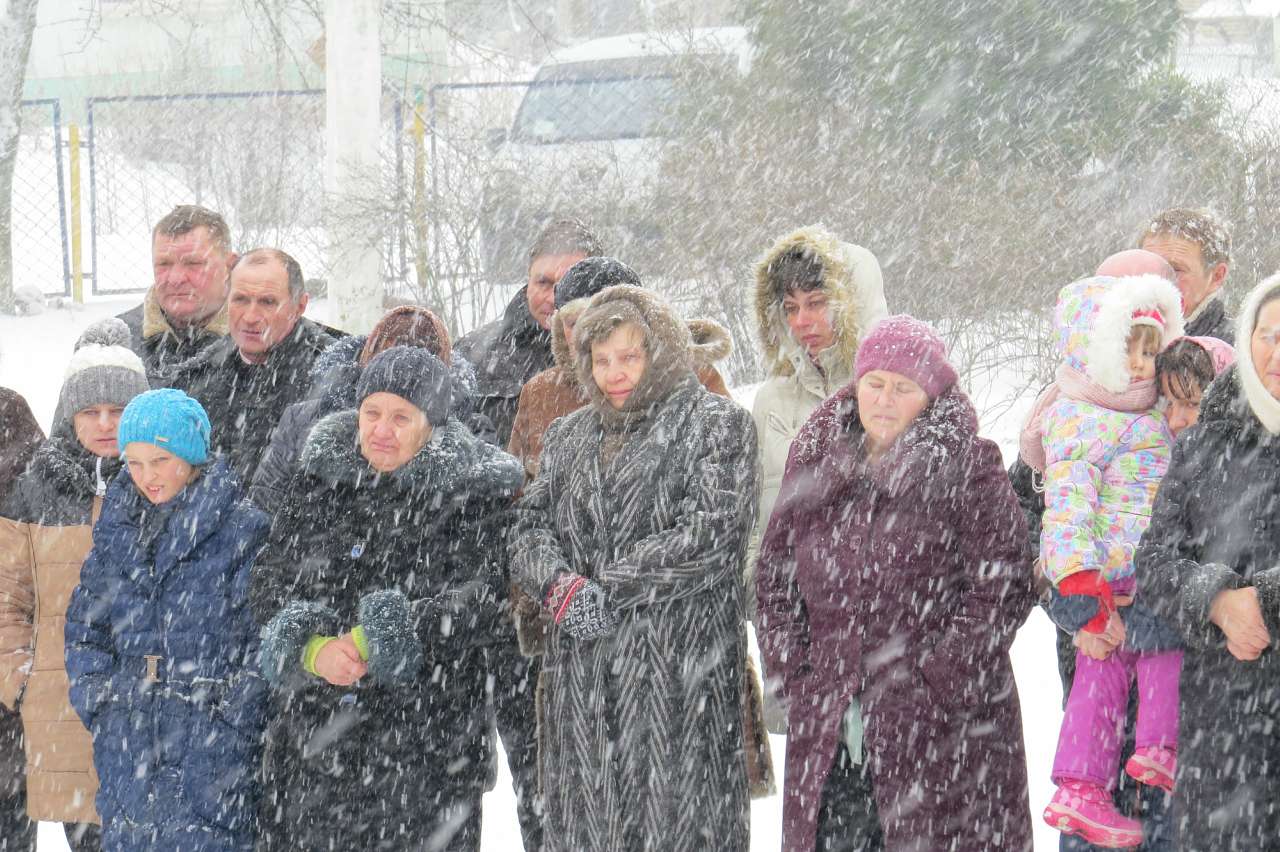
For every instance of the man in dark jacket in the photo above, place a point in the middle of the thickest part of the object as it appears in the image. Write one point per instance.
(1198, 247)
(184, 312)
(513, 349)
(506, 354)
(246, 380)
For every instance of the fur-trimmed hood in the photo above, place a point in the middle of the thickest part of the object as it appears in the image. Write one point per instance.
(670, 344)
(854, 289)
(709, 340)
(155, 322)
(1093, 317)
(1244, 376)
(453, 461)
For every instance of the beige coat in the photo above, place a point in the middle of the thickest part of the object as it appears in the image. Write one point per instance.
(39, 569)
(796, 386)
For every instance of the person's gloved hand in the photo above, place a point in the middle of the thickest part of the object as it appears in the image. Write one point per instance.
(578, 605)
(1090, 583)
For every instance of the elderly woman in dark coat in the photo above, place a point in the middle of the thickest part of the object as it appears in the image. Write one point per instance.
(892, 578)
(378, 592)
(1208, 564)
(632, 536)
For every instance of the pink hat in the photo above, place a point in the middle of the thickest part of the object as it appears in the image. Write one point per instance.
(905, 345)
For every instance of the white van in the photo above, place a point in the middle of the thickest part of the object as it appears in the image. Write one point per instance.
(588, 135)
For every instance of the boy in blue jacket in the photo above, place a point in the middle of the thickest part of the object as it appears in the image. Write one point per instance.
(160, 644)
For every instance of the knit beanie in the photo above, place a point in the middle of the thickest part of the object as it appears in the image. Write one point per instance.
(905, 345)
(169, 419)
(408, 325)
(103, 370)
(412, 374)
(591, 275)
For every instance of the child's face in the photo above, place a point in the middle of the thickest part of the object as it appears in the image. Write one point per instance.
(1142, 357)
(158, 473)
(1181, 409)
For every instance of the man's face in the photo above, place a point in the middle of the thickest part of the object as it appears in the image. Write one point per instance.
(259, 310)
(1196, 281)
(191, 273)
(544, 272)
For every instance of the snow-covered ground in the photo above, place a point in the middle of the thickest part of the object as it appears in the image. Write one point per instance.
(34, 351)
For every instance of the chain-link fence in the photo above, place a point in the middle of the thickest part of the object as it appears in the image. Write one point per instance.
(256, 157)
(41, 256)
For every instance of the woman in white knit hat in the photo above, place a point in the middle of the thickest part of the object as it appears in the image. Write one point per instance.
(46, 527)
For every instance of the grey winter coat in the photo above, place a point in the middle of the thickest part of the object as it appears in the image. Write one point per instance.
(641, 745)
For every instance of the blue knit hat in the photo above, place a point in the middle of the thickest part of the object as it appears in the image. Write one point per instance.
(169, 419)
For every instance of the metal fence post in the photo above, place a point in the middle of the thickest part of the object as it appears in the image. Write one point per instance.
(420, 234)
(77, 263)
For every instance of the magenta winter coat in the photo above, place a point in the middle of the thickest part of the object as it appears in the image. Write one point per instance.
(902, 584)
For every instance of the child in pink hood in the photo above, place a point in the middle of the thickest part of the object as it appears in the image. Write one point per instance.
(1102, 446)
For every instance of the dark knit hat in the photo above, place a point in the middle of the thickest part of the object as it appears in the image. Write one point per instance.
(170, 419)
(905, 345)
(591, 275)
(412, 374)
(408, 325)
(103, 370)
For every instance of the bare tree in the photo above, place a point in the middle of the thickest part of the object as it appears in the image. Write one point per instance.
(17, 24)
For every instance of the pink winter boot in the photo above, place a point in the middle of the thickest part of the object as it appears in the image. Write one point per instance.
(1086, 810)
(1154, 765)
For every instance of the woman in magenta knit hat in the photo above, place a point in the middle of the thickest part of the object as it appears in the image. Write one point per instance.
(892, 578)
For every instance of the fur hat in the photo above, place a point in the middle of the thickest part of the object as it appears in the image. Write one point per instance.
(169, 419)
(591, 275)
(412, 374)
(103, 370)
(408, 325)
(905, 345)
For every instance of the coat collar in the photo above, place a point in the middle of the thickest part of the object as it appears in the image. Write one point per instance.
(453, 461)
(193, 515)
(944, 431)
(155, 322)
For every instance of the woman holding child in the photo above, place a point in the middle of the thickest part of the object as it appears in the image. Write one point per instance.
(1208, 565)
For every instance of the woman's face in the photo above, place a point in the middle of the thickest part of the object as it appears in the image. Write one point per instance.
(567, 324)
(887, 404)
(157, 473)
(96, 429)
(809, 319)
(1181, 410)
(392, 431)
(1264, 347)
(618, 362)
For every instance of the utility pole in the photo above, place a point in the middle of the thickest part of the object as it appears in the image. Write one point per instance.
(353, 126)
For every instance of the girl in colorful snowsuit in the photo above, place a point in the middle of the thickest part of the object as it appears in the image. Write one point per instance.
(1102, 448)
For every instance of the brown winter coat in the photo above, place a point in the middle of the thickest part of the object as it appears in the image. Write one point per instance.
(903, 585)
(39, 569)
(19, 437)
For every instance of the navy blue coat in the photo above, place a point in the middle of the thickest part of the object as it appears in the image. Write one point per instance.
(176, 756)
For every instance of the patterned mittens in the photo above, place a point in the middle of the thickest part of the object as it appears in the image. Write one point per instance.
(578, 605)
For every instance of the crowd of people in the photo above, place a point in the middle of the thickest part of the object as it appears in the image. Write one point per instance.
(268, 585)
